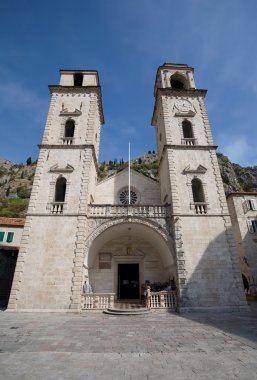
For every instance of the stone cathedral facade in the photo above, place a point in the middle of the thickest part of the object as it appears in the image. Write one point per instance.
(79, 229)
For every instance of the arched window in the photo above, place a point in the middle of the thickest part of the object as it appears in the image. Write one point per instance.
(177, 82)
(197, 189)
(60, 190)
(187, 129)
(69, 128)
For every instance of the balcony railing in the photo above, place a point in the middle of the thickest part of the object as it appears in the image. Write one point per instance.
(189, 141)
(111, 211)
(199, 207)
(57, 207)
(67, 140)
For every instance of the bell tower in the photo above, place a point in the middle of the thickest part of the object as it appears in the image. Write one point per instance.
(50, 263)
(208, 272)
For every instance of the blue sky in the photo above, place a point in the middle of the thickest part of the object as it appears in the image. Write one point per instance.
(126, 41)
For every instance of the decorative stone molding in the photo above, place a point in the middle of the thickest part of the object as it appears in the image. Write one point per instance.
(219, 182)
(180, 124)
(132, 253)
(79, 91)
(66, 112)
(64, 120)
(199, 170)
(55, 169)
(88, 156)
(180, 261)
(206, 123)
(14, 296)
(199, 175)
(98, 226)
(51, 196)
(49, 118)
(42, 158)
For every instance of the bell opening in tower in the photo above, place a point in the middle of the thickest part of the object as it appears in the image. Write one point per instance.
(78, 79)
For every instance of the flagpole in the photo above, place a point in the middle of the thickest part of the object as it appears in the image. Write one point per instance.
(129, 176)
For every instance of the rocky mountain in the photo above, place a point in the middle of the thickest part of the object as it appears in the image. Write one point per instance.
(16, 179)
(15, 187)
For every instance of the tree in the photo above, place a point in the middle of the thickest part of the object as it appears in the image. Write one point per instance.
(29, 161)
(7, 191)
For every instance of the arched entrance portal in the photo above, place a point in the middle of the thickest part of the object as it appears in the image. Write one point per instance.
(126, 255)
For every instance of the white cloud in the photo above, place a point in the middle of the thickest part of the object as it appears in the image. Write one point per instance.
(14, 97)
(238, 149)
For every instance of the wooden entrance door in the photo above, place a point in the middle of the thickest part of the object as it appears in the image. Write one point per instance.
(128, 281)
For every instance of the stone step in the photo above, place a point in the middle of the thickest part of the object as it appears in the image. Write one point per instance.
(139, 311)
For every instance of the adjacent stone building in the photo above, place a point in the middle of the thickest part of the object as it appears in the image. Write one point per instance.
(80, 230)
(10, 238)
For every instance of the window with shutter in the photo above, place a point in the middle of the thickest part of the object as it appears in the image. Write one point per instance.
(10, 237)
(248, 205)
(252, 204)
(254, 225)
(1, 236)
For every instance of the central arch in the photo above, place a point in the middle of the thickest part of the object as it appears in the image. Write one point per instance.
(128, 246)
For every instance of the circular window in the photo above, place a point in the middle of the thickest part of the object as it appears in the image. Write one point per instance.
(124, 197)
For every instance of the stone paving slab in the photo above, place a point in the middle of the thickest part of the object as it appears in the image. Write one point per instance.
(157, 345)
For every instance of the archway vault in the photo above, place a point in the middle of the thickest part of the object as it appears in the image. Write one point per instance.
(134, 228)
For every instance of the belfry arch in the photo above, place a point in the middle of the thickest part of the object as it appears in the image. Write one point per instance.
(122, 242)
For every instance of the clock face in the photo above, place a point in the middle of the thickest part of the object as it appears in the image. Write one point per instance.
(183, 105)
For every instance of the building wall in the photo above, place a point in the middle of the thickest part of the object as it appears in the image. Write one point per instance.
(245, 236)
(107, 191)
(208, 259)
(48, 264)
(16, 237)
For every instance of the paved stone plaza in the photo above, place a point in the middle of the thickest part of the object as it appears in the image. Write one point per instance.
(159, 345)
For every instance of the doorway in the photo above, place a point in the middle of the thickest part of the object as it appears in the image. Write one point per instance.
(128, 281)
(7, 268)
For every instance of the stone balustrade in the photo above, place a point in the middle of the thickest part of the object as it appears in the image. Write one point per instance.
(102, 301)
(200, 207)
(67, 140)
(57, 207)
(189, 141)
(164, 300)
(97, 301)
(109, 211)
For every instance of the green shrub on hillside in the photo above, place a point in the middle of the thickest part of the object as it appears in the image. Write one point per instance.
(13, 208)
(23, 193)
